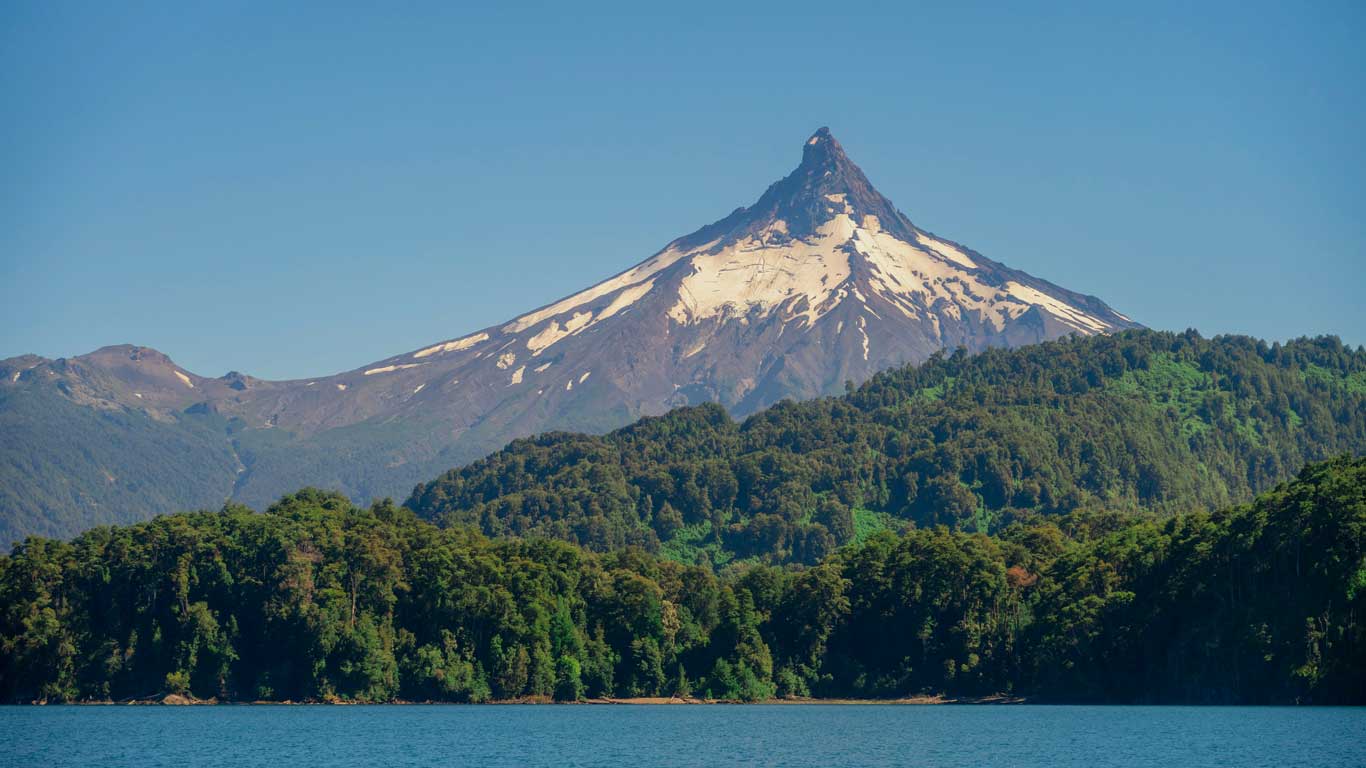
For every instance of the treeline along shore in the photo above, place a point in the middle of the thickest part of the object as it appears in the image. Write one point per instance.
(317, 599)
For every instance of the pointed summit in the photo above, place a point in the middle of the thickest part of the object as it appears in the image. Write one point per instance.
(822, 150)
(825, 185)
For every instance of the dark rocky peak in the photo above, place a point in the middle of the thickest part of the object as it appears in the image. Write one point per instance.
(823, 151)
(825, 185)
(238, 380)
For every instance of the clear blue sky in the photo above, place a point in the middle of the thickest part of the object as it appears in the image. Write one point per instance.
(296, 192)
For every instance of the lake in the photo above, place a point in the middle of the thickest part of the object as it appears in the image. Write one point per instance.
(767, 735)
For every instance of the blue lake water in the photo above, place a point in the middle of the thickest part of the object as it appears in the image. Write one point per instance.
(809, 735)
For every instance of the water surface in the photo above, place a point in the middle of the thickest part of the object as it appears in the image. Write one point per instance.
(759, 735)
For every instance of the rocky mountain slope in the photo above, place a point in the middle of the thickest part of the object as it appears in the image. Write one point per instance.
(822, 281)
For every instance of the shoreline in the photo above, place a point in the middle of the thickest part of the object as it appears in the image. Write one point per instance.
(178, 700)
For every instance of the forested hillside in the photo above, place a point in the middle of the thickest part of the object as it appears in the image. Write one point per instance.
(63, 463)
(1137, 422)
(319, 600)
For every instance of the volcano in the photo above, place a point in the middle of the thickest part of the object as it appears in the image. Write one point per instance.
(821, 282)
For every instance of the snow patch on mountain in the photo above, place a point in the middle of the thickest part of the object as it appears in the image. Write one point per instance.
(553, 332)
(944, 249)
(630, 278)
(452, 346)
(914, 279)
(763, 272)
(389, 368)
(1064, 312)
(626, 298)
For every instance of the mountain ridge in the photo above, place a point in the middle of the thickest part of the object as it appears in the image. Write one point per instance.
(820, 282)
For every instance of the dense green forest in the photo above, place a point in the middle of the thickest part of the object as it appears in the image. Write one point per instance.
(317, 599)
(1139, 422)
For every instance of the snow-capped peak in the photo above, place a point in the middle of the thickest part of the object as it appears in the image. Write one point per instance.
(820, 281)
(815, 240)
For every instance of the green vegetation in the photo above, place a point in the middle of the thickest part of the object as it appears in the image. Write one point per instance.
(1030, 521)
(692, 544)
(70, 461)
(1141, 421)
(53, 475)
(867, 522)
(319, 600)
